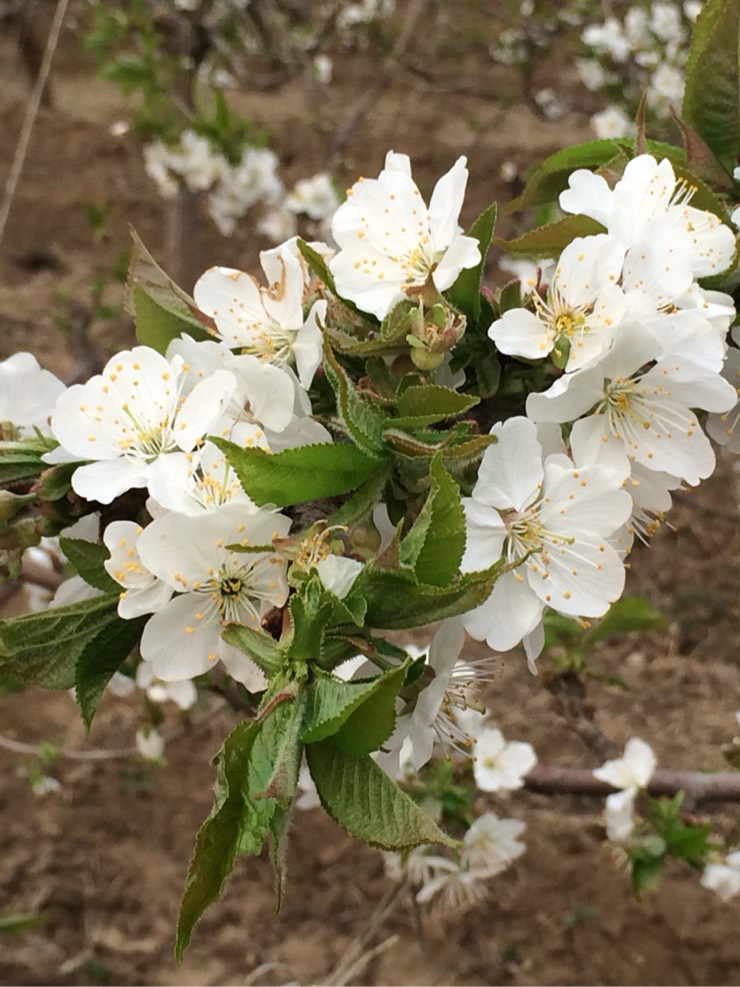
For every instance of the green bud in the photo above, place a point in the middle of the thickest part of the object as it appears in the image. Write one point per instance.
(11, 503)
(364, 538)
(426, 360)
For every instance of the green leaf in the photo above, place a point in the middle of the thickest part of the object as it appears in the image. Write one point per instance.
(329, 703)
(162, 310)
(100, 660)
(488, 375)
(631, 613)
(155, 326)
(260, 647)
(56, 481)
(312, 611)
(362, 501)
(21, 461)
(279, 831)
(431, 403)
(362, 420)
(276, 755)
(371, 346)
(465, 292)
(400, 321)
(712, 93)
(295, 476)
(409, 445)
(435, 544)
(552, 239)
(702, 161)
(361, 798)
(358, 715)
(237, 824)
(689, 842)
(88, 557)
(457, 455)
(317, 264)
(43, 648)
(646, 870)
(395, 601)
(373, 721)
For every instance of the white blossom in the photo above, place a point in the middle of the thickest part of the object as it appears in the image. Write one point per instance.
(665, 22)
(157, 159)
(632, 771)
(723, 878)
(182, 693)
(390, 241)
(666, 87)
(491, 844)
(215, 586)
(142, 591)
(581, 313)
(631, 414)
(130, 417)
(27, 393)
(723, 428)
(316, 197)
(612, 122)
(323, 66)
(591, 73)
(434, 714)
(338, 573)
(619, 814)
(608, 37)
(150, 744)
(552, 519)
(647, 193)
(266, 322)
(498, 764)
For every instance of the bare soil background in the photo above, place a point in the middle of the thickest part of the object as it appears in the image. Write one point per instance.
(104, 859)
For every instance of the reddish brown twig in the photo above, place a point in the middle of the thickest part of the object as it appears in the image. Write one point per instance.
(722, 786)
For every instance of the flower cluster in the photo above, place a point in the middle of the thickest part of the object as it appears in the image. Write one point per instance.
(362, 441)
(645, 52)
(235, 188)
(489, 847)
(641, 346)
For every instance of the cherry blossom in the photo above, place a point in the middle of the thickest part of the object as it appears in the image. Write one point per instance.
(580, 314)
(130, 417)
(723, 878)
(215, 586)
(27, 393)
(633, 414)
(498, 764)
(390, 241)
(267, 322)
(552, 519)
(649, 192)
(142, 591)
(633, 771)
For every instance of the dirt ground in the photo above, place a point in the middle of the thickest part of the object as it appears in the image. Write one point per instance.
(104, 859)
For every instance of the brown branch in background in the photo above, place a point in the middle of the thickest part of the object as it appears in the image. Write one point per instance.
(184, 238)
(32, 109)
(386, 74)
(698, 786)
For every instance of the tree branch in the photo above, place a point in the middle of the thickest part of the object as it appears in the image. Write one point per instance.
(722, 786)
